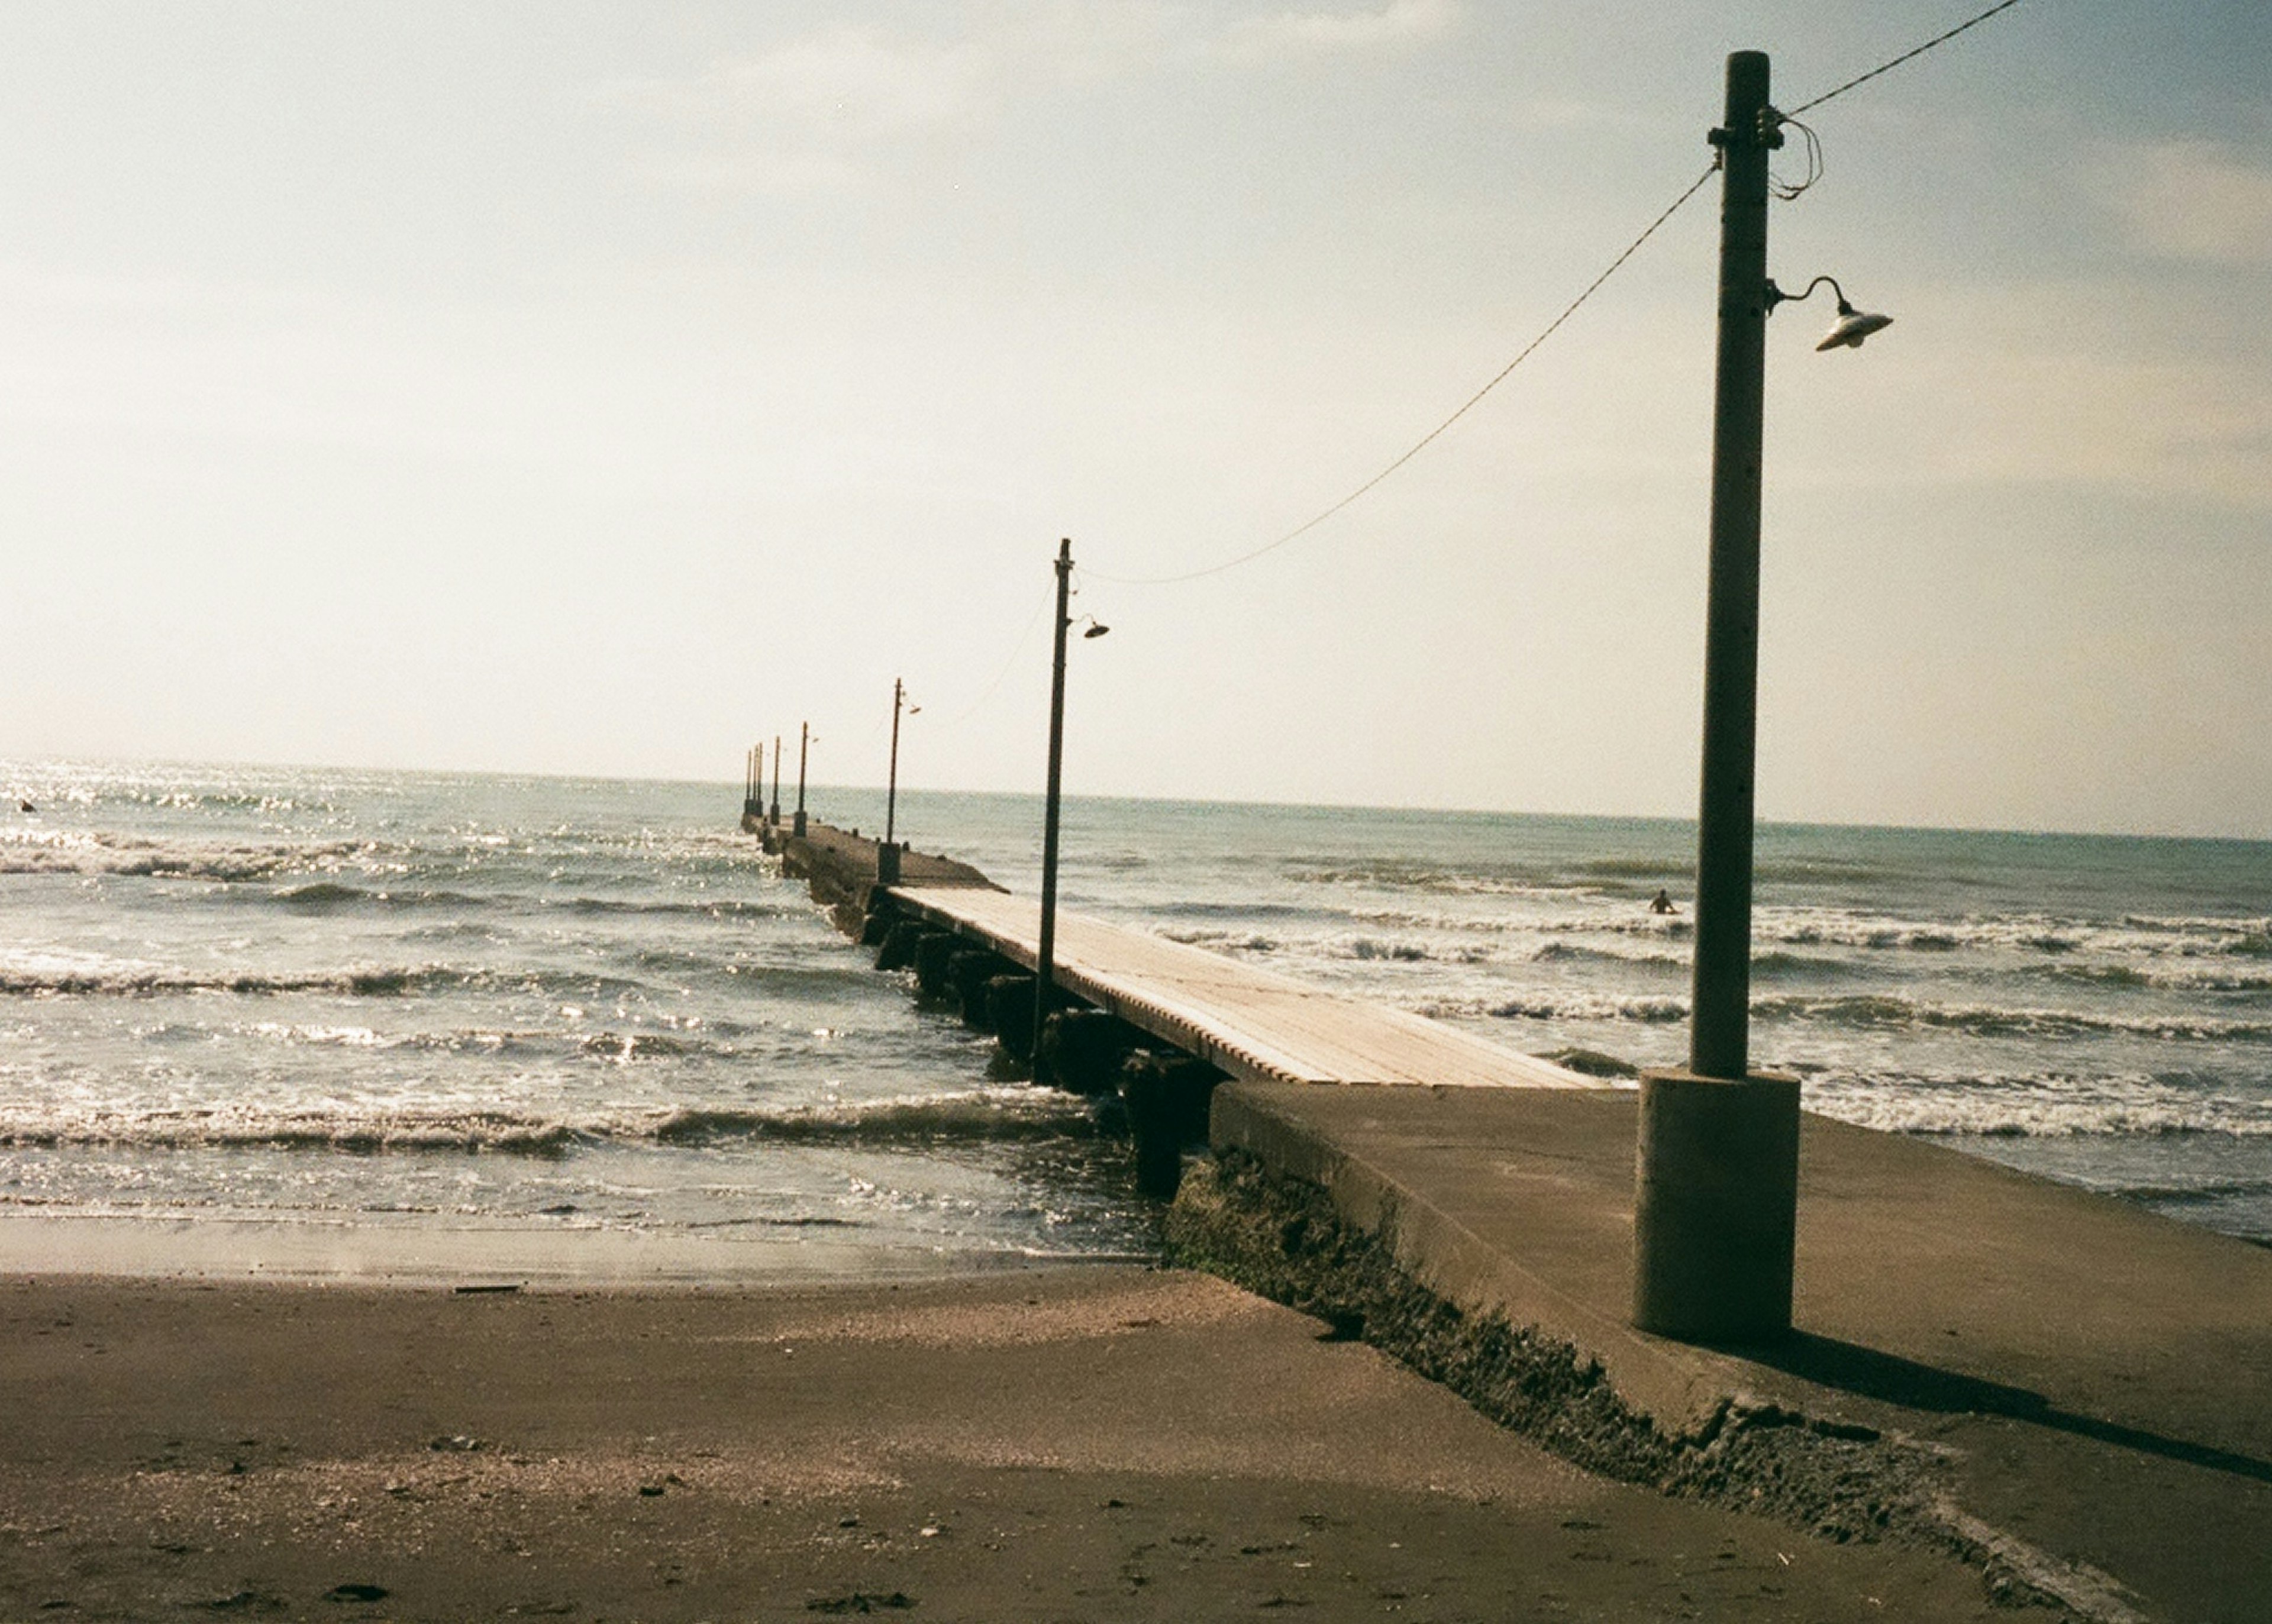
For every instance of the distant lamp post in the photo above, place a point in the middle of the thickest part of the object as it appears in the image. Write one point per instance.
(1715, 1203)
(887, 855)
(804, 750)
(777, 762)
(1045, 956)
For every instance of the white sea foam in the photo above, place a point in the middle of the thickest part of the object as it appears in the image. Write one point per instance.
(2135, 936)
(961, 1117)
(1884, 1011)
(2039, 1106)
(97, 977)
(1648, 1008)
(26, 849)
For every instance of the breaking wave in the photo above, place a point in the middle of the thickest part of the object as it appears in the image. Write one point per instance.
(987, 1116)
(1886, 1013)
(37, 974)
(2187, 976)
(1561, 952)
(1861, 1012)
(28, 851)
(622, 1048)
(1648, 1008)
(2137, 935)
(501, 1132)
(971, 1118)
(1220, 942)
(116, 979)
(1402, 877)
(2037, 1109)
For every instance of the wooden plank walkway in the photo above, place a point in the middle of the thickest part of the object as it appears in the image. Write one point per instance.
(1253, 1023)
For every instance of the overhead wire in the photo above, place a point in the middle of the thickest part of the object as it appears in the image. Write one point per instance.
(1016, 649)
(1425, 440)
(1907, 56)
(1783, 189)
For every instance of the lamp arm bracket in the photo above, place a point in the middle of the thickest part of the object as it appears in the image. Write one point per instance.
(1776, 295)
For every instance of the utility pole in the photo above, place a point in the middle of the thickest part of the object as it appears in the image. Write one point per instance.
(1046, 963)
(887, 855)
(1719, 1042)
(804, 747)
(892, 790)
(777, 760)
(1715, 1205)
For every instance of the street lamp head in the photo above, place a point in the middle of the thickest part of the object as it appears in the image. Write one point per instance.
(1852, 326)
(1095, 628)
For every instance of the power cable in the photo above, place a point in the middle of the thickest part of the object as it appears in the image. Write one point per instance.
(1016, 649)
(1886, 67)
(1421, 444)
(1783, 189)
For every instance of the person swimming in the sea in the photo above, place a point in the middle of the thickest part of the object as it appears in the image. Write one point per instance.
(1662, 903)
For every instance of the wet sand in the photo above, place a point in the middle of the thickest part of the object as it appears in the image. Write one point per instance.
(1102, 1441)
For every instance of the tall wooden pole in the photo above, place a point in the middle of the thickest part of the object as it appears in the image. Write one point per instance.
(1045, 965)
(892, 793)
(887, 855)
(803, 749)
(1719, 1039)
(1715, 1199)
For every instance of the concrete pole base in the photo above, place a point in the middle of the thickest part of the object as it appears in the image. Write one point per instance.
(797, 826)
(887, 866)
(1715, 1206)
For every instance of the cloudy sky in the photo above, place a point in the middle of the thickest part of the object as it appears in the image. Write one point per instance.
(599, 388)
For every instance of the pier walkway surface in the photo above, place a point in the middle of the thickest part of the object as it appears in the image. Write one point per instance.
(1251, 1023)
(2089, 1385)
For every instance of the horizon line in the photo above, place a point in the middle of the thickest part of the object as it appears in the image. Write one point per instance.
(1674, 818)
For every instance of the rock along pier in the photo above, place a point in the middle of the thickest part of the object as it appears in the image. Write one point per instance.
(2070, 1393)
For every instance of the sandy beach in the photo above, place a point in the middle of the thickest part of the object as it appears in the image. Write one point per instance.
(1066, 1443)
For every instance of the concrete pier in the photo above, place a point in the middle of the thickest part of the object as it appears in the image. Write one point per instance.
(2070, 1392)
(844, 870)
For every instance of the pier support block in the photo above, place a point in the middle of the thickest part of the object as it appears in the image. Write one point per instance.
(933, 951)
(967, 974)
(1085, 1048)
(897, 948)
(1714, 1206)
(1009, 1012)
(1166, 1096)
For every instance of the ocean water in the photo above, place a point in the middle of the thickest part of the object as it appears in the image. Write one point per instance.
(551, 1015)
